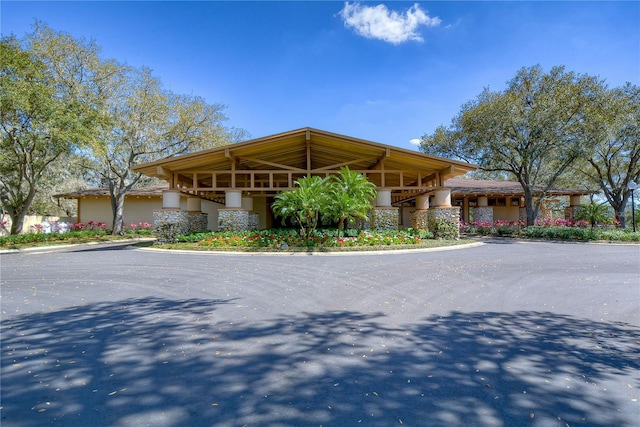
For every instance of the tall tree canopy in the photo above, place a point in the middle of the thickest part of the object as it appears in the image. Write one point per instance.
(42, 112)
(59, 97)
(144, 122)
(533, 130)
(615, 160)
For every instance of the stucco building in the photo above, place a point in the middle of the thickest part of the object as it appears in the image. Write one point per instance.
(232, 187)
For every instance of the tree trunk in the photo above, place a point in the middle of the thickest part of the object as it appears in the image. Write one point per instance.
(18, 214)
(340, 226)
(117, 200)
(17, 222)
(531, 207)
(620, 220)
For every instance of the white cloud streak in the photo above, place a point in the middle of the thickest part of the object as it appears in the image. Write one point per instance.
(415, 141)
(378, 22)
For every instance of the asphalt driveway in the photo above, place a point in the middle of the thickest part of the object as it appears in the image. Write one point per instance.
(506, 334)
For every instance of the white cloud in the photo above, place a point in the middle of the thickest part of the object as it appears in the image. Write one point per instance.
(415, 141)
(378, 22)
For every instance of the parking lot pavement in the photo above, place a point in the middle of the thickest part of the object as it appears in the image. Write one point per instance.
(505, 334)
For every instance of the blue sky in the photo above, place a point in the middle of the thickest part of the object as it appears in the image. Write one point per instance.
(383, 71)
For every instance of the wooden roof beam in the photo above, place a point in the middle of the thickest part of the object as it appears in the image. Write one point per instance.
(275, 165)
(163, 172)
(380, 162)
(444, 173)
(339, 165)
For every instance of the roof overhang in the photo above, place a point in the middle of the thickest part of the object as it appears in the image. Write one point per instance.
(273, 163)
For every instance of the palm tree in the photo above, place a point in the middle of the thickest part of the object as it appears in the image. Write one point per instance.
(594, 213)
(350, 196)
(303, 204)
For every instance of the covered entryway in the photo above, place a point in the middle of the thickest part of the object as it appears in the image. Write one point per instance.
(245, 175)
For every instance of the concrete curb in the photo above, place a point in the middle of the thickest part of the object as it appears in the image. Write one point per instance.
(314, 253)
(67, 246)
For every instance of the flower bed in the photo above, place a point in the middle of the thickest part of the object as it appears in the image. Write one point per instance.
(289, 238)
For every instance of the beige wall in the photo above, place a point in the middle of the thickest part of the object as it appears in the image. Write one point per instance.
(260, 207)
(137, 209)
(508, 213)
(210, 208)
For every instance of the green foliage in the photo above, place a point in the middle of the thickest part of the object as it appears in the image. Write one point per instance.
(68, 237)
(41, 117)
(594, 214)
(443, 229)
(615, 160)
(284, 239)
(303, 204)
(60, 97)
(338, 198)
(571, 231)
(350, 196)
(144, 122)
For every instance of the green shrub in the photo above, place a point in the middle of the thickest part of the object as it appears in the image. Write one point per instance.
(443, 229)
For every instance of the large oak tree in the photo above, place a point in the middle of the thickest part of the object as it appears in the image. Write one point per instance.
(43, 112)
(144, 122)
(60, 98)
(615, 160)
(533, 130)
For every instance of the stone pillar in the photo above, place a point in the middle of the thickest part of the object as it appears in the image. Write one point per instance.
(420, 217)
(233, 220)
(170, 223)
(483, 212)
(233, 217)
(444, 222)
(384, 216)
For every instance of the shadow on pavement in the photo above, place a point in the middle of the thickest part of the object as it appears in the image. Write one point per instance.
(153, 361)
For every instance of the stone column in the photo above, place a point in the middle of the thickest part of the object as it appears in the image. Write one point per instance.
(171, 221)
(443, 219)
(247, 205)
(384, 216)
(233, 217)
(444, 222)
(420, 217)
(483, 212)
